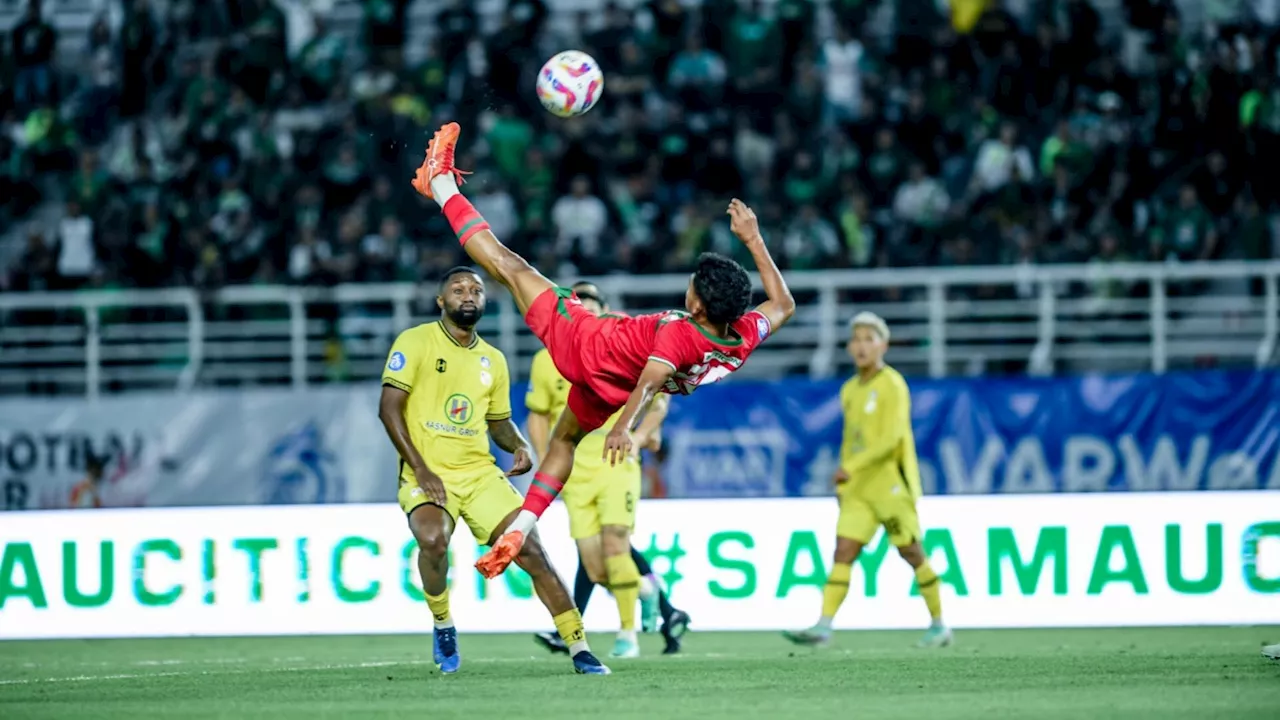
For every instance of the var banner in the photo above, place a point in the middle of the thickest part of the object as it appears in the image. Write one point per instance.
(1024, 561)
(1192, 431)
(1180, 431)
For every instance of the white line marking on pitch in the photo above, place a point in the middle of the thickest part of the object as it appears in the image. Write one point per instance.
(313, 668)
(181, 673)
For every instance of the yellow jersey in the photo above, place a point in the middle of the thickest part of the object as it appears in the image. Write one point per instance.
(879, 450)
(548, 394)
(454, 391)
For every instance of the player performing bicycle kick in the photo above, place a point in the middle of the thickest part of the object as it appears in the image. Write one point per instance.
(612, 362)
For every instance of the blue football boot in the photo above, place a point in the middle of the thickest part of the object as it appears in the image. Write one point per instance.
(584, 663)
(445, 650)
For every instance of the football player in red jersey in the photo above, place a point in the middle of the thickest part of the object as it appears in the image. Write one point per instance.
(612, 362)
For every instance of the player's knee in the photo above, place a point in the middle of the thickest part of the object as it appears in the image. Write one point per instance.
(432, 543)
(615, 540)
(913, 554)
(597, 574)
(847, 550)
(596, 571)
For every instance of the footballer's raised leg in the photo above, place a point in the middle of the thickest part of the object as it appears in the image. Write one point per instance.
(438, 179)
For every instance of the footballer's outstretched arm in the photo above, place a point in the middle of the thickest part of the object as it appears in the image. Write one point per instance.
(618, 444)
(391, 407)
(780, 306)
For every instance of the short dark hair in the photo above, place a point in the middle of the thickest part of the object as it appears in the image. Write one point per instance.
(723, 286)
(593, 293)
(458, 270)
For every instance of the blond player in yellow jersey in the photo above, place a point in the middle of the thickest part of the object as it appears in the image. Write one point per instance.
(445, 391)
(878, 482)
(601, 501)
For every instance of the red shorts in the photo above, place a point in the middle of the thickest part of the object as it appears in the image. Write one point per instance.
(566, 328)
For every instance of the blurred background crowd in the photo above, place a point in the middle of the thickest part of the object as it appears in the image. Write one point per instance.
(249, 141)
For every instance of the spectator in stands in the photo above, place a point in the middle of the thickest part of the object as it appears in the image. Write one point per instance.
(580, 220)
(384, 24)
(859, 233)
(842, 57)
(631, 81)
(921, 201)
(753, 50)
(509, 141)
(886, 167)
(138, 44)
(34, 42)
(811, 243)
(379, 252)
(305, 257)
(997, 160)
(1186, 230)
(37, 267)
(498, 207)
(77, 256)
(18, 194)
(697, 75)
(320, 61)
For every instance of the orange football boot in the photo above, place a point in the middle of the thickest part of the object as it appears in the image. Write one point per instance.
(492, 563)
(439, 159)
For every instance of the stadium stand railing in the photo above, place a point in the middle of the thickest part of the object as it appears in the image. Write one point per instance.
(945, 321)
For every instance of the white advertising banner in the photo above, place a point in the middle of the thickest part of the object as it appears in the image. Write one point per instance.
(1020, 561)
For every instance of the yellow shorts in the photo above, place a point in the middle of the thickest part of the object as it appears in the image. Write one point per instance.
(861, 516)
(482, 498)
(597, 495)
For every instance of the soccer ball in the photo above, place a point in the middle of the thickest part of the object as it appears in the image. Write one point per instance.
(570, 84)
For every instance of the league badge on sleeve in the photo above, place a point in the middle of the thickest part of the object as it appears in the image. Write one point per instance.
(484, 362)
(762, 327)
(396, 363)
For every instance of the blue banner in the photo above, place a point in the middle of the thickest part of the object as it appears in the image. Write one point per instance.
(1180, 431)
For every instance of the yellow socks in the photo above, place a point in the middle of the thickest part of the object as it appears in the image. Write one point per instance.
(439, 605)
(569, 625)
(930, 590)
(833, 594)
(624, 582)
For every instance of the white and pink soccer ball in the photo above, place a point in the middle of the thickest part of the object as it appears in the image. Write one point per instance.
(570, 84)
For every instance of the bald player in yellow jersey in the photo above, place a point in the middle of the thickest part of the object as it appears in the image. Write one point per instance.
(445, 391)
(878, 482)
(601, 501)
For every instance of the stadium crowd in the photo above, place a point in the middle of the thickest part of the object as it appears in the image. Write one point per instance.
(189, 147)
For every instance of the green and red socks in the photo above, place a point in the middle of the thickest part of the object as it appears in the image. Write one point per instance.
(464, 220)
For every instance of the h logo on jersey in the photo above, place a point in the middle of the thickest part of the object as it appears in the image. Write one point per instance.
(441, 365)
(458, 409)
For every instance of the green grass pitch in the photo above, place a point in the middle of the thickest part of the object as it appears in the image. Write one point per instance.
(1124, 673)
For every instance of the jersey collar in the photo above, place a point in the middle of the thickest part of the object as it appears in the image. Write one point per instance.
(858, 376)
(444, 331)
(727, 342)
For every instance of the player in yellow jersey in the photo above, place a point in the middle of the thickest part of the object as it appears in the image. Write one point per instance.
(878, 482)
(445, 391)
(601, 500)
